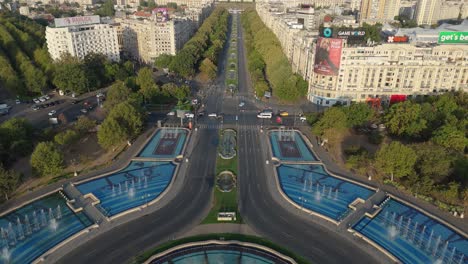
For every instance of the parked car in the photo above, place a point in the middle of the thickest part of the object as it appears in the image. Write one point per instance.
(212, 115)
(283, 113)
(35, 107)
(84, 111)
(74, 102)
(36, 101)
(47, 97)
(171, 113)
(53, 112)
(202, 113)
(264, 115)
(18, 101)
(189, 115)
(303, 118)
(42, 99)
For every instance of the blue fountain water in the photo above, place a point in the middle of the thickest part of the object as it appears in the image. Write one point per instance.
(412, 236)
(137, 184)
(150, 148)
(313, 188)
(24, 238)
(295, 143)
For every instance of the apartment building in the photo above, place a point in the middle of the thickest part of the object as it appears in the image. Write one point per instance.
(379, 10)
(392, 69)
(80, 36)
(189, 3)
(146, 39)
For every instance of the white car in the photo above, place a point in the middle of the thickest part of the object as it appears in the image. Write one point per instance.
(35, 100)
(47, 97)
(172, 113)
(18, 101)
(53, 112)
(84, 111)
(189, 115)
(303, 118)
(42, 99)
(241, 104)
(213, 115)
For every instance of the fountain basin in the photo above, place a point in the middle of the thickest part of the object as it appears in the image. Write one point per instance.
(412, 236)
(289, 145)
(167, 143)
(138, 184)
(310, 187)
(35, 228)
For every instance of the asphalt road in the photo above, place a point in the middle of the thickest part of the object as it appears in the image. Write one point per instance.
(260, 211)
(257, 206)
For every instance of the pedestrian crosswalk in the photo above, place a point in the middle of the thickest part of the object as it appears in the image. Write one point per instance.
(221, 126)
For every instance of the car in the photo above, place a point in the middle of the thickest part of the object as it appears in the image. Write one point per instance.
(52, 103)
(35, 107)
(53, 112)
(264, 115)
(74, 102)
(202, 113)
(241, 104)
(47, 97)
(283, 113)
(42, 99)
(46, 105)
(189, 115)
(171, 113)
(213, 115)
(18, 101)
(84, 111)
(36, 101)
(303, 118)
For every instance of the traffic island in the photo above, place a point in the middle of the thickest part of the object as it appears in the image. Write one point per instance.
(224, 207)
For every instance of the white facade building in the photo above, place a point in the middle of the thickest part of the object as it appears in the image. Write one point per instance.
(80, 36)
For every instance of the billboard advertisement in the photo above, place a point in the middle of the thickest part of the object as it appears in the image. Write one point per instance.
(328, 56)
(397, 39)
(446, 37)
(76, 21)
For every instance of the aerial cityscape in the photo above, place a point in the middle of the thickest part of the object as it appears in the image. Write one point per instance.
(234, 131)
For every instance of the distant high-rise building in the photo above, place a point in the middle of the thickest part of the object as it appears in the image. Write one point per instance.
(426, 12)
(379, 10)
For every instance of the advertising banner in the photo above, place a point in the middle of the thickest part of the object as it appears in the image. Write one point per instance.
(328, 56)
(76, 21)
(446, 37)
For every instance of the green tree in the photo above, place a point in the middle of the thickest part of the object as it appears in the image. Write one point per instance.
(450, 137)
(66, 137)
(111, 133)
(358, 114)
(182, 92)
(145, 81)
(95, 71)
(334, 118)
(129, 116)
(433, 161)
(9, 180)
(47, 159)
(84, 124)
(70, 74)
(107, 9)
(395, 159)
(207, 67)
(404, 119)
(163, 61)
(117, 94)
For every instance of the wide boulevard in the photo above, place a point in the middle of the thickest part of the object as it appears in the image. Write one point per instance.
(259, 209)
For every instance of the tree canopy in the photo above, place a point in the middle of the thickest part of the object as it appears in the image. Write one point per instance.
(396, 159)
(47, 159)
